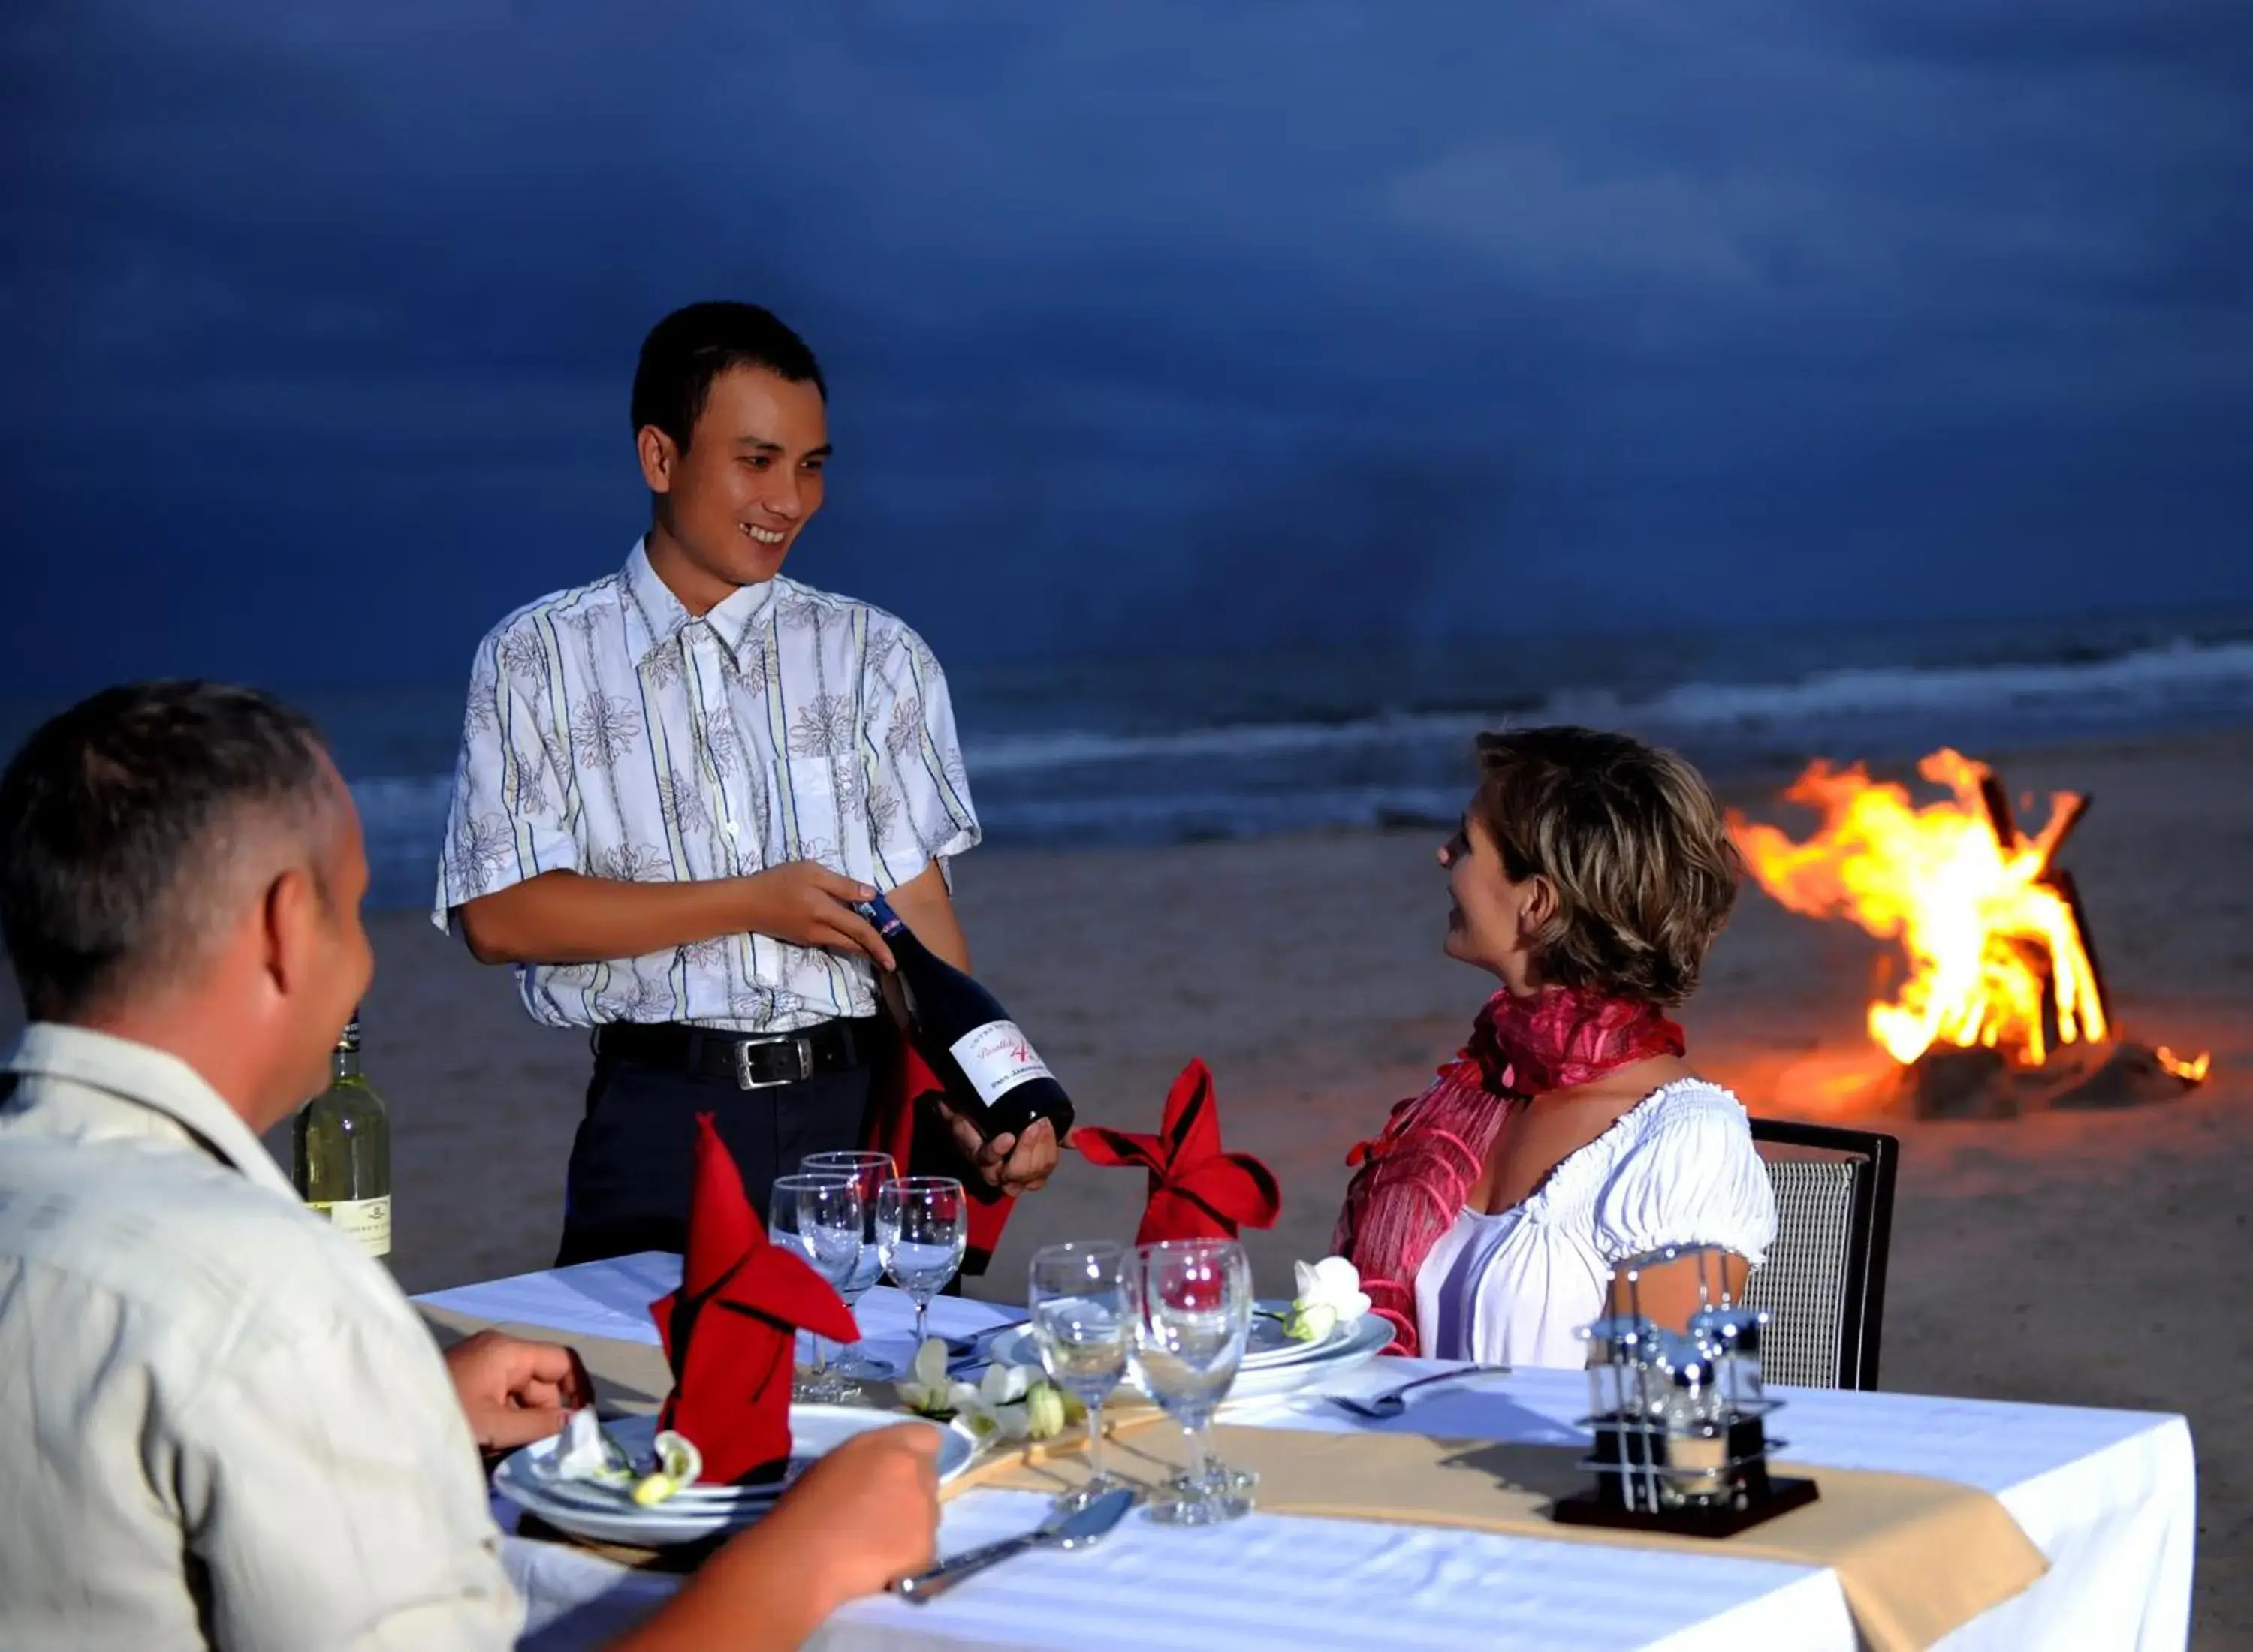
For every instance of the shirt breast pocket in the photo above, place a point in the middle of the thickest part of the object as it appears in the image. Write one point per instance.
(828, 798)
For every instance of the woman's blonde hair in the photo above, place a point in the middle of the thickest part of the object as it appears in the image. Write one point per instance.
(1632, 840)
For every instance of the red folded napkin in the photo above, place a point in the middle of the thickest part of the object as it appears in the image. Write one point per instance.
(903, 1122)
(1196, 1191)
(730, 1331)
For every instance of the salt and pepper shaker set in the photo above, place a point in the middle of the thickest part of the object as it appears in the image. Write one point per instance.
(1679, 1418)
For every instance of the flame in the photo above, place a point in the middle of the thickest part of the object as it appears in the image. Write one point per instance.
(2192, 1071)
(1983, 933)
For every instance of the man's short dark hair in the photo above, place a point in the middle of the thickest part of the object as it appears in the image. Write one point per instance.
(122, 825)
(691, 347)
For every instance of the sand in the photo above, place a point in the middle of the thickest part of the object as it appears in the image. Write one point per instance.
(2085, 1259)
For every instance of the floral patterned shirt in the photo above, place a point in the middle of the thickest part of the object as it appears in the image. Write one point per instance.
(610, 732)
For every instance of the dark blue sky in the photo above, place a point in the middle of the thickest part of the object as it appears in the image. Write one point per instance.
(1149, 324)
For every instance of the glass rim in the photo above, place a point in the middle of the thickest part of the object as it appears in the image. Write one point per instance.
(924, 1184)
(807, 1181)
(1187, 1247)
(838, 1158)
(1080, 1247)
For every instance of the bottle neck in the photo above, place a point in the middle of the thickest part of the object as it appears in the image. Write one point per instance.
(344, 1061)
(894, 930)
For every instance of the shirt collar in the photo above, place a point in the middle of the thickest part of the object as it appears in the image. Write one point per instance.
(152, 1078)
(654, 614)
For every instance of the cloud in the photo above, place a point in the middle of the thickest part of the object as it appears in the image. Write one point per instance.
(1124, 304)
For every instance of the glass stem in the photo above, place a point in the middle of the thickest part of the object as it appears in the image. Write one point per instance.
(820, 1357)
(1201, 1457)
(923, 1313)
(1095, 1444)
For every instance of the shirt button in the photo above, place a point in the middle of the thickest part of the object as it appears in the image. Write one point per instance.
(728, 827)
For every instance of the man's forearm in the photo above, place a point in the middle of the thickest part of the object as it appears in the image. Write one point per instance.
(755, 1595)
(566, 918)
(926, 907)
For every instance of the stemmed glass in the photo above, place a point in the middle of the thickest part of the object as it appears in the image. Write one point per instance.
(869, 1172)
(819, 1215)
(1078, 1297)
(922, 1227)
(1189, 1310)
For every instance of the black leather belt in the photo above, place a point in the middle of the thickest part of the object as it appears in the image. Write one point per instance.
(755, 1061)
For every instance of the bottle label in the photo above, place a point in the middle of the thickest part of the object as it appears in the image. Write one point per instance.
(366, 1220)
(996, 1058)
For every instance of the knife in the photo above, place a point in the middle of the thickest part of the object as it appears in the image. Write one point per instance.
(962, 1352)
(1078, 1526)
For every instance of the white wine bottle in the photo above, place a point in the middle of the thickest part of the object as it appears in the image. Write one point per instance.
(342, 1151)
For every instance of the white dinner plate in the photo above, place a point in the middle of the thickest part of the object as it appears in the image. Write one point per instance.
(1361, 1343)
(608, 1514)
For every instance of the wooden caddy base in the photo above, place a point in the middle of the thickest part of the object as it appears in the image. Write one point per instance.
(1591, 1508)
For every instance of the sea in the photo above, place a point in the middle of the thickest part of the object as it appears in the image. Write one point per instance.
(1086, 752)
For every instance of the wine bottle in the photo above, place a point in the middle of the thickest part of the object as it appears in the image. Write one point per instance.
(991, 1073)
(342, 1150)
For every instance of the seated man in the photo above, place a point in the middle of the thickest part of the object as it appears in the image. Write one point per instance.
(223, 1424)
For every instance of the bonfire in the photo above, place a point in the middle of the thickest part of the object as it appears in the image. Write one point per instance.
(1997, 947)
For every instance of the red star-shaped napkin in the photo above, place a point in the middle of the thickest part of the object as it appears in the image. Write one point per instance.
(730, 1331)
(1196, 1191)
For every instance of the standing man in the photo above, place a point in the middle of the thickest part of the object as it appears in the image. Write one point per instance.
(676, 781)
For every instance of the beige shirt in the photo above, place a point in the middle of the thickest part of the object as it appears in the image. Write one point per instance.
(221, 1423)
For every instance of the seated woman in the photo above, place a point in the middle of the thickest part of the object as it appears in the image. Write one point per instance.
(1590, 874)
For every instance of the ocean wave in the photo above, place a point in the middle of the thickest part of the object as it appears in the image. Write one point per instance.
(1072, 749)
(2141, 678)
(1070, 788)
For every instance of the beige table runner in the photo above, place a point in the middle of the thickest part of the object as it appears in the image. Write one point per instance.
(1917, 1557)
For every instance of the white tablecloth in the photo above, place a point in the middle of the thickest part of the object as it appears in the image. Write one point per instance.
(2107, 1496)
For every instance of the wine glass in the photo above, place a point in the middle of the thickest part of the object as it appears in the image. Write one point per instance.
(869, 1172)
(819, 1215)
(1078, 1302)
(922, 1227)
(1189, 1310)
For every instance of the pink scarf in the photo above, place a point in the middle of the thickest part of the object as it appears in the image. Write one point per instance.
(1410, 1180)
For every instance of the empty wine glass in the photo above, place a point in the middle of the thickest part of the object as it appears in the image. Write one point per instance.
(922, 1227)
(1079, 1303)
(1189, 1309)
(819, 1215)
(869, 1172)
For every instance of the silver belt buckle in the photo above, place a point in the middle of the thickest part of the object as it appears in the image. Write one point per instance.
(745, 1081)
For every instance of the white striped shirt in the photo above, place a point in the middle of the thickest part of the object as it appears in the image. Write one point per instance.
(612, 733)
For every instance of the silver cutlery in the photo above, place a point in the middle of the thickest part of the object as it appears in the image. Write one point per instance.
(1070, 1527)
(1383, 1408)
(965, 1351)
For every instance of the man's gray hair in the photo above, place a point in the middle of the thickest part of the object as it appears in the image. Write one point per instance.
(133, 826)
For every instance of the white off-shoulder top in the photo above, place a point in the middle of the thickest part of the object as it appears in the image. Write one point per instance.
(1514, 1287)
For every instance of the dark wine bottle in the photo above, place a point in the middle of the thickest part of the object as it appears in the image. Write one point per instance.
(991, 1073)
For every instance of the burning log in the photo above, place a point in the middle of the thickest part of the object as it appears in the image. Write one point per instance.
(2002, 1009)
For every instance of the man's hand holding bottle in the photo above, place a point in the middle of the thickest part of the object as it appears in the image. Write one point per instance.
(807, 904)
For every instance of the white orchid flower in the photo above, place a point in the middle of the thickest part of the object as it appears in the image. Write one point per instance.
(1010, 1405)
(1329, 1295)
(995, 1408)
(1004, 1384)
(926, 1390)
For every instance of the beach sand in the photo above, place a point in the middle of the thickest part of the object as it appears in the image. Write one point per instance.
(2090, 1260)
